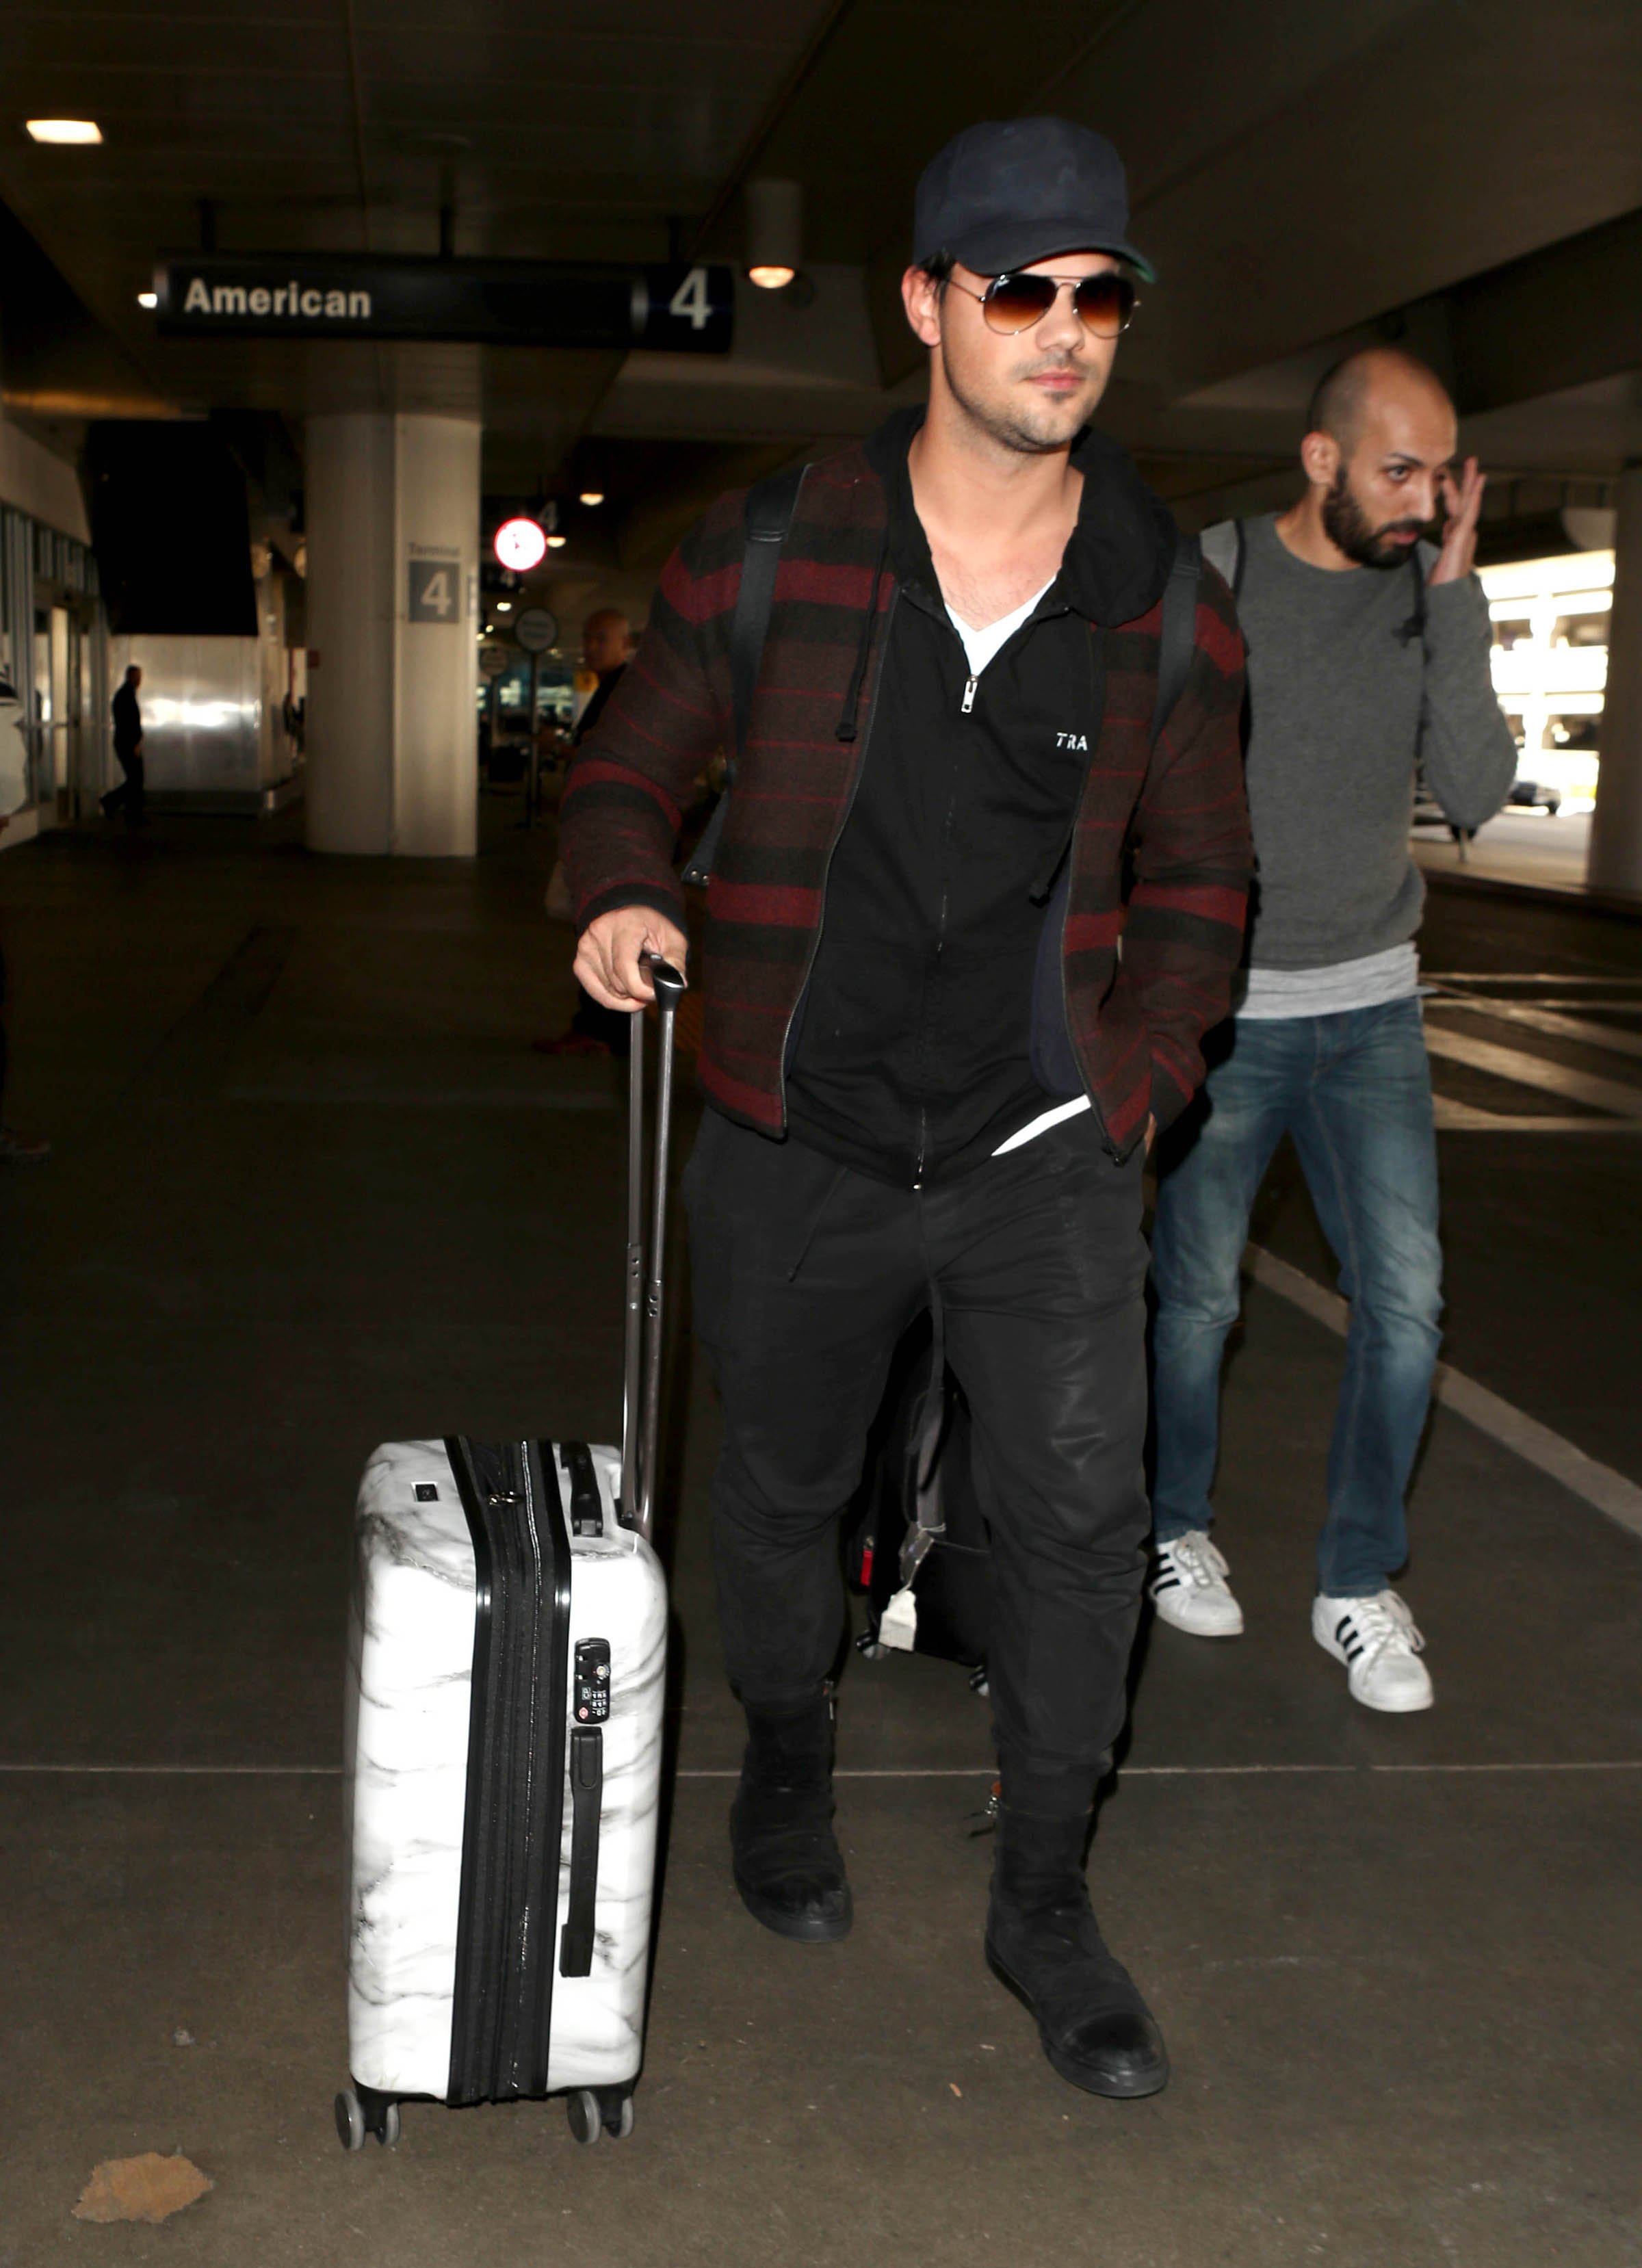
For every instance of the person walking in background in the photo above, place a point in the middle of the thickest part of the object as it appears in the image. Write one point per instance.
(128, 721)
(606, 649)
(923, 1090)
(1368, 657)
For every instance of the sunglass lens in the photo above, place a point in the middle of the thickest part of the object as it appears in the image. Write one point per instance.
(1106, 302)
(1017, 303)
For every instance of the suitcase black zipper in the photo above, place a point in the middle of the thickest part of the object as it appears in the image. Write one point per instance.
(515, 1807)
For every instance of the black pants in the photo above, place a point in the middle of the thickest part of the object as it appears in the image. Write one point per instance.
(129, 795)
(805, 1274)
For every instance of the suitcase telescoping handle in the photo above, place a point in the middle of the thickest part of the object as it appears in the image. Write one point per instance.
(641, 1381)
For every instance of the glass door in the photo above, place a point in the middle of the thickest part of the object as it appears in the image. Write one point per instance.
(44, 718)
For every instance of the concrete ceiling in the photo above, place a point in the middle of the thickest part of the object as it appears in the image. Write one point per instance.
(1466, 173)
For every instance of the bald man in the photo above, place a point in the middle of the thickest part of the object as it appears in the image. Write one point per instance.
(1368, 659)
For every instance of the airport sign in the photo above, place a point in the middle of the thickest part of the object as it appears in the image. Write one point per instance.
(290, 295)
(536, 630)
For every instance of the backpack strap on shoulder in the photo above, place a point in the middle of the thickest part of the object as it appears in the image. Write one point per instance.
(767, 518)
(1178, 634)
(1415, 626)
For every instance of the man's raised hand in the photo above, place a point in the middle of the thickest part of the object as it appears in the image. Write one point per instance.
(607, 959)
(1464, 500)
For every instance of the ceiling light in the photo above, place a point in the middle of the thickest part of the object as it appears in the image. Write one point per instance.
(558, 542)
(148, 298)
(521, 542)
(63, 130)
(590, 496)
(775, 231)
(504, 605)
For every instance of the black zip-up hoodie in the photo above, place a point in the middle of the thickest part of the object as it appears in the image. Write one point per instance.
(921, 1042)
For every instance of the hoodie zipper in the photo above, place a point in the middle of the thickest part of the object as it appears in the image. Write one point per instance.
(941, 947)
(862, 746)
(966, 706)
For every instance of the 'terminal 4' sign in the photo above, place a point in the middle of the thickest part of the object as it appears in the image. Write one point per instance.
(495, 302)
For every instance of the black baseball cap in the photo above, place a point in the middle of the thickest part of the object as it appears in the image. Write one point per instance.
(1005, 195)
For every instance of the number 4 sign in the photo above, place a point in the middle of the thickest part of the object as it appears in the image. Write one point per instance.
(691, 303)
(687, 309)
(435, 585)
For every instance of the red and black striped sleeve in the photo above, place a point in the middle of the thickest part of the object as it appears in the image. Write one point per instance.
(1193, 859)
(633, 776)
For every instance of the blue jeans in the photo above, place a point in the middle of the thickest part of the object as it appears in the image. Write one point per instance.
(1354, 1090)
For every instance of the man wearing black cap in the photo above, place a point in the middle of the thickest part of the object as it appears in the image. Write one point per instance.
(933, 1073)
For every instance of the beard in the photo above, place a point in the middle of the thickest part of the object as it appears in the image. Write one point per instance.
(1347, 525)
(1030, 423)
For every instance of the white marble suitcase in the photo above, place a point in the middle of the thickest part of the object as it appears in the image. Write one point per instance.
(507, 1663)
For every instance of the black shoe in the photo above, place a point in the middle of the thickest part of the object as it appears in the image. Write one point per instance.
(1043, 1942)
(788, 1866)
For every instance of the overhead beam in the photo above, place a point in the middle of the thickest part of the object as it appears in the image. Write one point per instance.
(1558, 318)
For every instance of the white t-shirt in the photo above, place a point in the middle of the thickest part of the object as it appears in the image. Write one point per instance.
(981, 645)
(1275, 993)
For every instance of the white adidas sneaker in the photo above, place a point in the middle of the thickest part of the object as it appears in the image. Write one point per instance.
(1190, 1590)
(1377, 1641)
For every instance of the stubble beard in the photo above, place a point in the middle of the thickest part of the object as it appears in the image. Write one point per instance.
(1015, 421)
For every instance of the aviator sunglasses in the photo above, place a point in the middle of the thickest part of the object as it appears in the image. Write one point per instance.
(1011, 303)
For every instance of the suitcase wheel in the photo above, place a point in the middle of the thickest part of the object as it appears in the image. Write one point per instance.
(618, 2112)
(593, 2112)
(376, 2115)
(586, 2114)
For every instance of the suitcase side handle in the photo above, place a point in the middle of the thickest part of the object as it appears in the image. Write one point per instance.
(576, 1941)
(641, 1384)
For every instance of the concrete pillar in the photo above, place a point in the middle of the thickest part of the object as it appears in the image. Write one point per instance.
(1616, 855)
(392, 596)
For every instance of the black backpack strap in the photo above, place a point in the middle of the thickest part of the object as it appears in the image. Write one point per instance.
(767, 518)
(1240, 561)
(1415, 626)
(1178, 636)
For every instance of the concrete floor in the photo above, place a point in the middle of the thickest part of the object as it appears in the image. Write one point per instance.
(311, 1192)
(1516, 846)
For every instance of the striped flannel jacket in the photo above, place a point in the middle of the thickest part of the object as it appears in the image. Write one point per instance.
(1176, 815)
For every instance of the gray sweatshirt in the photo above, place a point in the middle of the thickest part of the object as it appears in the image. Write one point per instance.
(1344, 702)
